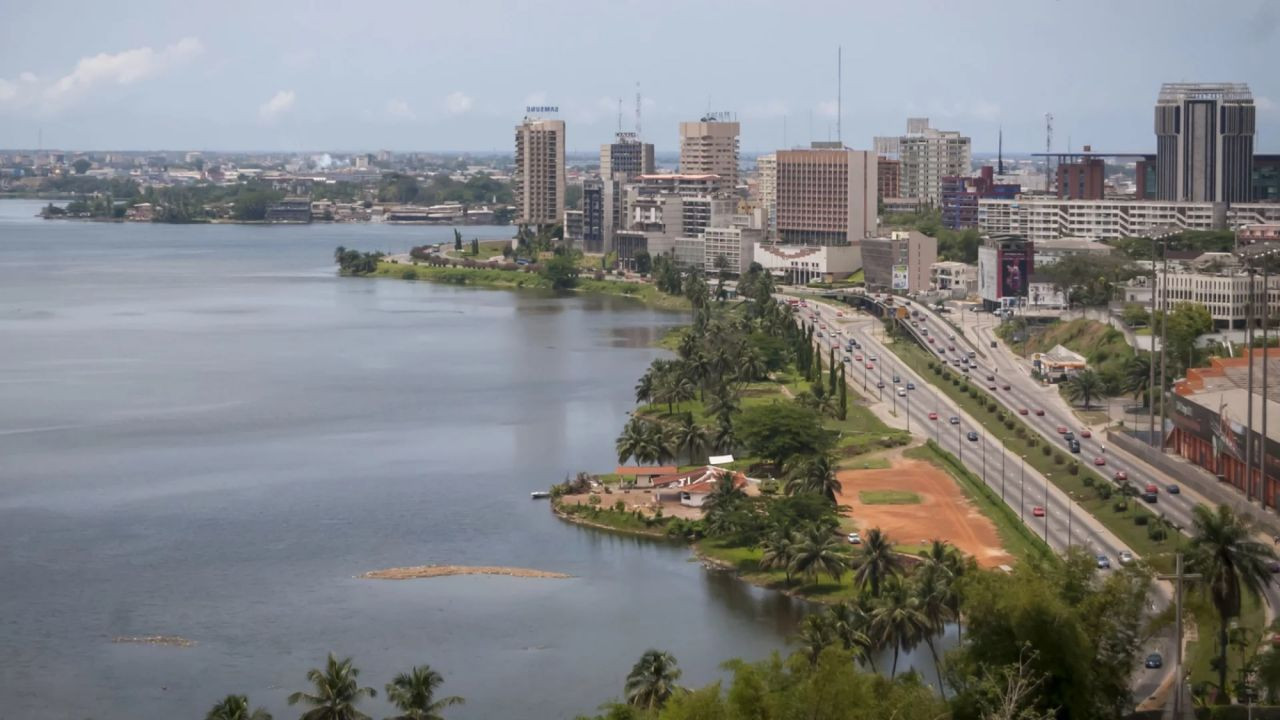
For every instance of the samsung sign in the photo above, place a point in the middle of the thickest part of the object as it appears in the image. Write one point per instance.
(534, 109)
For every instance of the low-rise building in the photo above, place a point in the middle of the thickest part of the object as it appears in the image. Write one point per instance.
(802, 264)
(734, 244)
(1048, 218)
(1052, 250)
(903, 261)
(1225, 296)
(290, 210)
(957, 277)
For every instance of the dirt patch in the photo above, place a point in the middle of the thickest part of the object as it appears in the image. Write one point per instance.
(170, 640)
(943, 512)
(430, 571)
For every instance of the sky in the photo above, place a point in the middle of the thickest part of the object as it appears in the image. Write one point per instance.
(433, 75)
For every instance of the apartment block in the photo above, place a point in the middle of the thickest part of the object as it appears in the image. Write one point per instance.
(1044, 219)
(710, 147)
(539, 177)
(826, 196)
(927, 155)
(767, 170)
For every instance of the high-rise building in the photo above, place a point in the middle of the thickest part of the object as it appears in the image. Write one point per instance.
(826, 195)
(621, 162)
(888, 178)
(767, 167)
(1204, 142)
(960, 196)
(593, 216)
(928, 155)
(1084, 178)
(539, 172)
(710, 147)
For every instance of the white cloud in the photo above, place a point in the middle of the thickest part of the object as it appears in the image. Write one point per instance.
(458, 102)
(398, 109)
(122, 68)
(279, 104)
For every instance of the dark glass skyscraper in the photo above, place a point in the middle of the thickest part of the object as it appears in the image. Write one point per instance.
(1204, 142)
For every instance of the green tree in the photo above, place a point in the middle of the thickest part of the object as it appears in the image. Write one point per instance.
(897, 621)
(1231, 564)
(875, 561)
(818, 551)
(561, 271)
(932, 586)
(414, 695)
(236, 707)
(778, 552)
(779, 431)
(643, 263)
(831, 372)
(81, 166)
(814, 474)
(817, 633)
(844, 397)
(1187, 322)
(457, 240)
(475, 246)
(652, 680)
(691, 438)
(1137, 377)
(337, 690)
(1135, 315)
(1084, 386)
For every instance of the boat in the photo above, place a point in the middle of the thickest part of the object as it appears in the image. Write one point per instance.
(539, 495)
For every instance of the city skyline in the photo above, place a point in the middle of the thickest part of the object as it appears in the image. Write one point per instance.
(408, 78)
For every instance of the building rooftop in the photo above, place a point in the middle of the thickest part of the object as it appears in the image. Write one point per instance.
(1233, 373)
(1234, 403)
(1179, 91)
(1072, 243)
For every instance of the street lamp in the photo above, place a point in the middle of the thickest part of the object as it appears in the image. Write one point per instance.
(1046, 507)
(1255, 256)
(1163, 234)
(1071, 501)
(1022, 491)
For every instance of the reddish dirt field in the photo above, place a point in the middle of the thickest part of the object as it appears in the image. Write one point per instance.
(943, 511)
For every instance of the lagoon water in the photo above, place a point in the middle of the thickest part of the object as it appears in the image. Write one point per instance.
(205, 433)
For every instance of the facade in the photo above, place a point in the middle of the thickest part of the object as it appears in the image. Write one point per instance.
(957, 277)
(1042, 219)
(573, 229)
(1265, 232)
(888, 178)
(802, 264)
(928, 155)
(593, 216)
(1045, 294)
(1085, 179)
(1225, 296)
(691, 251)
(767, 168)
(290, 210)
(1266, 178)
(735, 244)
(539, 178)
(1204, 142)
(1050, 251)
(1005, 264)
(903, 261)
(826, 196)
(960, 196)
(620, 162)
(1211, 428)
(710, 147)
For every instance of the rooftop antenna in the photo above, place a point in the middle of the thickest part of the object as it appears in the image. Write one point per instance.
(839, 92)
(1048, 148)
(784, 132)
(637, 110)
(619, 114)
(1000, 152)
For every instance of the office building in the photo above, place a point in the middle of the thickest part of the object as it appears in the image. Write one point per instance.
(734, 243)
(1047, 218)
(1082, 179)
(620, 162)
(593, 216)
(767, 169)
(1051, 250)
(710, 147)
(888, 178)
(900, 262)
(826, 195)
(1224, 295)
(927, 156)
(539, 178)
(573, 229)
(1204, 142)
(960, 196)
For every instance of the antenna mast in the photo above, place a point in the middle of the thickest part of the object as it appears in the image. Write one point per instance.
(1000, 153)
(619, 114)
(839, 92)
(1048, 148)
(637, 110)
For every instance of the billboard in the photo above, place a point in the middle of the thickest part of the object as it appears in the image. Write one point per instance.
(900, 278)
(1014, 269)
(987, 287)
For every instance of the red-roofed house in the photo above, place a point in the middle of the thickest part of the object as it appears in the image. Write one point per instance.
(691, 488)
(643, 475)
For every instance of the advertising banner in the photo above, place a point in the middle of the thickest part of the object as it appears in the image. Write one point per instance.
(1014, 270)
(900, 277)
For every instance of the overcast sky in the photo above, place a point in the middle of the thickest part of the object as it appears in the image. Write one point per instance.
(283, 75)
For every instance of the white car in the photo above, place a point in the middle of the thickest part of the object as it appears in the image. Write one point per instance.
(855, 538)
(1126, 557)
(902, 392)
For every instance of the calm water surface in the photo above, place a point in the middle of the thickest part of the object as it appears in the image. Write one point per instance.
(204, 433)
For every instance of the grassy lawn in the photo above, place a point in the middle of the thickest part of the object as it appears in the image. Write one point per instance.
(888, 497)
(870, 463)
(1016, 537)
(1200, 653)
(746, 562)
(488, 249)
(1121, 522)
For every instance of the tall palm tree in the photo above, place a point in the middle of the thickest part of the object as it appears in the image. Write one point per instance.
(876, 561)
(779, 551)
(954, 566)
(753, 366)
(690, 437)
(644, 388)
(1084, 387)
(724, 438)
(819, 551)
(1231, 563)
(932, 589)
(236, 707)
(852, 625)
(632, 440)
(414, 695)
(817, 633)
(652, 680)
(1137, 376)
(815, 474)
(897, 621)
(337, 690)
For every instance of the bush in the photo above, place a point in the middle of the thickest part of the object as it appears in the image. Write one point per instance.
(620, 506)
(1058, 459)
(991, 406)
(594, 500)
(1120, 506)
(1104, 491)
(1033, 441)
(1157, 533)
(409, 274)
(1046, 450)
(1087, 480)
(1009, 424)
(1141, 519)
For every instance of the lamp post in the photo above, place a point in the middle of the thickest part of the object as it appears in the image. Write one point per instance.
(1003, 453)
(1164, 334)
(1046, 507)
(984, 457)
(1022, 491)
(1071, 501)
(959, 444)
(908, 409)
(1248, 436)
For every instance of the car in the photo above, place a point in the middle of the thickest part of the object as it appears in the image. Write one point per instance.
(880, 384)
(1274, 566)
(873, 358)
(1099, 461)
(933, 416)
(1022, 411)
(902, 392)
(914, 324)
(848, 359)
(1151, 488)
(1037, 511)
(1069, 436)
(1084, 433)
(951, 336)
(1173, 489)
(951, 347)
(1062, 429)
(991, 386)
(1154, 661)
(896, 379)
(1150, 497)
(1104, 562)
(1121, 475)
(1074, 446)
(964, 369)
(1004, 386)
(956, 363)
(1039, 412)
(930, 341)
(870, 366)
(819, 333)
(973, 436)
(839, 313)
(992, 378)
(854, 538)
(1126, 557)
(911, 386)
(858, 357)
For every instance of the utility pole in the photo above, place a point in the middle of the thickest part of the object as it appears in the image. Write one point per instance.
(1179, 577)
(1266, 356)
(1164, 334)
(1248, 436)
(1048, 148)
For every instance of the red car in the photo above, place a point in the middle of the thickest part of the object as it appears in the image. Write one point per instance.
(1022, 411)
(858, 358)
(1084, 432)
(933, 416)
(1039, 412)
(870, 366)
(1099, 460)
(1062, 429)
(1121, 475)
(1037, 511)
(951, 347)
(1151, 488)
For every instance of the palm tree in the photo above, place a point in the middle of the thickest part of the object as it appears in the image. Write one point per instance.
(1230, 561)
(632, 440)
(236, 707)
(876, 561)
(1137, 377)
(652, 680)
(897, 621)
(414, 694)
(690, 437)
(815, 474)
(337, 692)
(779, 551)
(852, 624)
(1084, 386)
(819, 551)
(724, 438)
(954, 565)
(932, 590)
(752, 365)
(817, 633)
(644, 388)
(674, 388)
